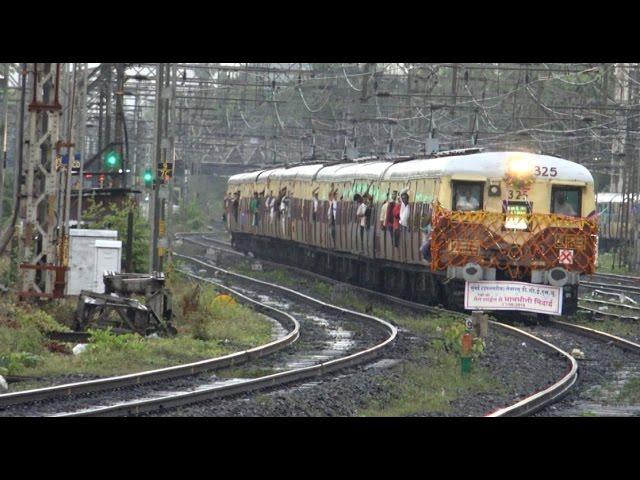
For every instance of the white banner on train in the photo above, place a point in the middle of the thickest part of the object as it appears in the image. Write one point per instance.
(501, 295)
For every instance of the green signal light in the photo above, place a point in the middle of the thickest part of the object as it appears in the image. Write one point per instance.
(111, 159)
(147, 177)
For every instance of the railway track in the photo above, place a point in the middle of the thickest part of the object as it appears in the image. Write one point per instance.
(313, 365)
(61, 394)
(532, 403)
(165, 400)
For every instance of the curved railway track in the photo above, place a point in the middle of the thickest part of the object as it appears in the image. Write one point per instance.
(168, 400)
(66, 391)
(318, 369)
(529, 405)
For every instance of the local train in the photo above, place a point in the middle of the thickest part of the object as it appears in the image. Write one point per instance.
(429, 226)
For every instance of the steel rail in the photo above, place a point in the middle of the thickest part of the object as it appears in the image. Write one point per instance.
(612, 304)
(598, 335)
(616, 276)
(607, 314)
(149, 376)
(186, 398)
(523, 407)
(624, 288)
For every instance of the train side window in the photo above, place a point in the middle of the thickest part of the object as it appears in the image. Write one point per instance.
(566, 201)
(467, 196)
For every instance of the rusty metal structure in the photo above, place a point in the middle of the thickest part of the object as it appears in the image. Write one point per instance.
(151, 316)
(44, 244)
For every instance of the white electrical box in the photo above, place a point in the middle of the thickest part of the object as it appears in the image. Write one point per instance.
(91, 253)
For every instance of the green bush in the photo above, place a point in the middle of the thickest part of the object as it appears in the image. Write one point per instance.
(107, 341)
(453, 340)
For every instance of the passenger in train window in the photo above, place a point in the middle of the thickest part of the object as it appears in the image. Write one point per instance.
(467, 200)
(562, 206)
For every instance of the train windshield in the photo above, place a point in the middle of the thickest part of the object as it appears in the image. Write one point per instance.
(467, 196)
(566, 201)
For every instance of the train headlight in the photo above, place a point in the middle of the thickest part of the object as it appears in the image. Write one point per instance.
(558, 277)
(472, 272)
(520, 165)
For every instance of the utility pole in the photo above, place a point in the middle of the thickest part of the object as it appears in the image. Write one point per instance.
(164, 159)
(81, 138)
(4, 115)
(119, 125)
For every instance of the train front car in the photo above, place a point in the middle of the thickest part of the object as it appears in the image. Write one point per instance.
(514, 231)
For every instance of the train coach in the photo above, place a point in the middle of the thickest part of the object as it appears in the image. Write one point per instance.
(611, 211)
(487, 230)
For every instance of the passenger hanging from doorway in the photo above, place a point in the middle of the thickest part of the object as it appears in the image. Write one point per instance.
(276, 210)
(227, 202)
(268, 206)
(368, 201)
(427, 229)
(331, 216)
(396, 224)
(235, 204)
(466, 201)
(284, 212)
(254, 209)
(360, 218)
(383, 214)
(405, 212)
(314, 209)
(390, 221)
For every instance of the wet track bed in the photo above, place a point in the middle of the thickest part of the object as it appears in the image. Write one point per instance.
(605, 374)
(518, 368)
(322, 338)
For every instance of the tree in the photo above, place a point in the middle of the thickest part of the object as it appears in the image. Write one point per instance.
(99, 217)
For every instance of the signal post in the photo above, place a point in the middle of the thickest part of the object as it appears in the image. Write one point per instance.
(164, 161)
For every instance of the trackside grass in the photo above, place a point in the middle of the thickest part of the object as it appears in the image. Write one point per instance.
(214, 328)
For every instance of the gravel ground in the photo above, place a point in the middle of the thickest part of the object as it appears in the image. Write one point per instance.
(601, 374)
(346, 394)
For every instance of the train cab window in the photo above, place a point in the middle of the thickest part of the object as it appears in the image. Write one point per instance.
(566, 201)
(467, 196)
